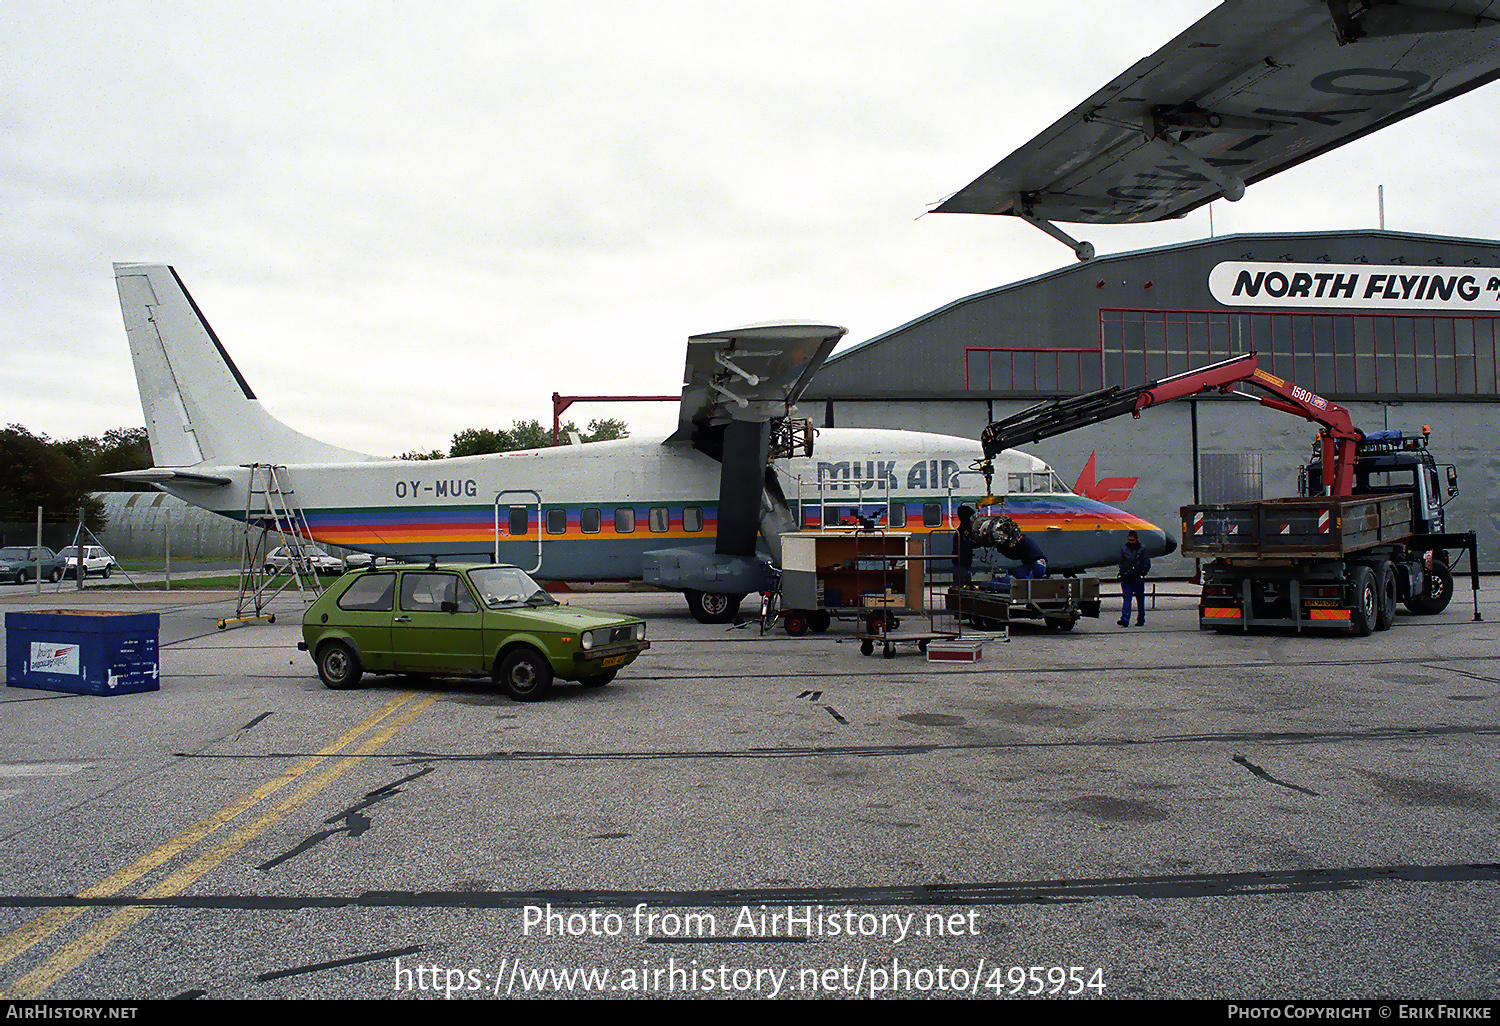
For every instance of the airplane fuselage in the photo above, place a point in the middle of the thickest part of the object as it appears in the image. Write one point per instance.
(590, 512)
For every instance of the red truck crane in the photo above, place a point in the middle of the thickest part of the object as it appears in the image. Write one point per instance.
(1367, 532)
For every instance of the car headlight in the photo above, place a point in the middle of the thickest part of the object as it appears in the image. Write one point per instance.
(587, 640)
(640, 632)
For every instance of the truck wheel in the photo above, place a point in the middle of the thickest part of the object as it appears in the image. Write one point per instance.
(708, 607)
(1387, 614)
(1437, 594)
(1364, 601)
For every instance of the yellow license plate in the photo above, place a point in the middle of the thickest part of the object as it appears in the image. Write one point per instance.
(612, 662)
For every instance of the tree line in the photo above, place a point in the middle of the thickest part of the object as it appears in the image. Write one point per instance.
(523, 434)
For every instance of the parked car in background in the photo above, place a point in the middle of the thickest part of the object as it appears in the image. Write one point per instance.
(95, 561)
(310, 560)
(19, 564)
(462, 620)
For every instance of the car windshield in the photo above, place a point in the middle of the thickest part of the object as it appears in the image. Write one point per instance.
(504, 587)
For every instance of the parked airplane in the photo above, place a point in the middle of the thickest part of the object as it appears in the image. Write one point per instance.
(691, 513)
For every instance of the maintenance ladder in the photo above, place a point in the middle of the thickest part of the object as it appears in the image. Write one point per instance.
(271, 511)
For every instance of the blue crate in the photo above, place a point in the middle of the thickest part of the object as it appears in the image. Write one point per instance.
(86, 652)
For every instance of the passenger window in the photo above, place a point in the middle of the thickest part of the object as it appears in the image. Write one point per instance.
(427, 592)
(898, 515)
(624, 521)
(692, 518)
(557, 521)
(370, 593)
(588, 521)
(518, 519)
(660, 519)
(932, 514)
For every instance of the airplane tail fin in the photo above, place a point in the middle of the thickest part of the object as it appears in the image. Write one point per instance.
(199, 409)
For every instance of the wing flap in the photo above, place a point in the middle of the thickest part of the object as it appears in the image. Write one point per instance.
(753, 373)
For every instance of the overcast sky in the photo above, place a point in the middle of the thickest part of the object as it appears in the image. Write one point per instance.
(406, 219)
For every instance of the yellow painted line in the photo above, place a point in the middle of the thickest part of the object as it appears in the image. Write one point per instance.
(44, 926)
(35, 983)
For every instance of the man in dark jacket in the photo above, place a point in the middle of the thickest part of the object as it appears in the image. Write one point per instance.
(1134, 566)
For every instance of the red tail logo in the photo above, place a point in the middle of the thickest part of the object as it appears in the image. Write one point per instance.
(1109, 489)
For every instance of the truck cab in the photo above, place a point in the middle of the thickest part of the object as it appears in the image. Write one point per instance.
(1389, 463)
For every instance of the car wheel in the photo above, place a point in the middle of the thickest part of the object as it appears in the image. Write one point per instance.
(598, 680)
(55, 576)
(525, 675)
(22, 577)
(708, 607)
(107, 572)
(338, 665)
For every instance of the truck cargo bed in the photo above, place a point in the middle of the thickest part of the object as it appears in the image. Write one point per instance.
(1321, 527)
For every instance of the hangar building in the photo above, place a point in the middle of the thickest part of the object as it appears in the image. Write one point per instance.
(1399, 328)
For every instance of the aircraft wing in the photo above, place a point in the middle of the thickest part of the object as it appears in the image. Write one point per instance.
(754, 373)
(1253, 88)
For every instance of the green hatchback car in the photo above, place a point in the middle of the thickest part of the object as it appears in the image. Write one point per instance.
(463, 620)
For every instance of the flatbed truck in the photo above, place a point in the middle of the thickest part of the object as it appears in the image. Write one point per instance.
(1366, 535)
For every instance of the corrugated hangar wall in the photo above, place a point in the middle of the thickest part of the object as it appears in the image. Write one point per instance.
(1402, 329)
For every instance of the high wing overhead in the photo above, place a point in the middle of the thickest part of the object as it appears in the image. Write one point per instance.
(755, 373)
(1253, 88)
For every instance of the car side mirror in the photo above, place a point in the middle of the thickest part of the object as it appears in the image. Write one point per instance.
(1452, 481)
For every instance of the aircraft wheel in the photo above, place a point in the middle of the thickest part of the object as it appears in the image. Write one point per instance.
(708, 607)
(525, 675)
(339, 666)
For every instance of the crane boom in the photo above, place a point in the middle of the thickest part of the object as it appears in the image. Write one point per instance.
(1056, 416)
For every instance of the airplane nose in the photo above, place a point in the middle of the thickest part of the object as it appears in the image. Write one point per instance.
(1171, 544)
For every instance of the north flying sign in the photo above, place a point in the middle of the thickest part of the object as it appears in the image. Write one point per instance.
(1355, 286)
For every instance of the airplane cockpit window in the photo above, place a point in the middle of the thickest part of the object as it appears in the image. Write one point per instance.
(1037, 482)
(504, 587)
(371, 593)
